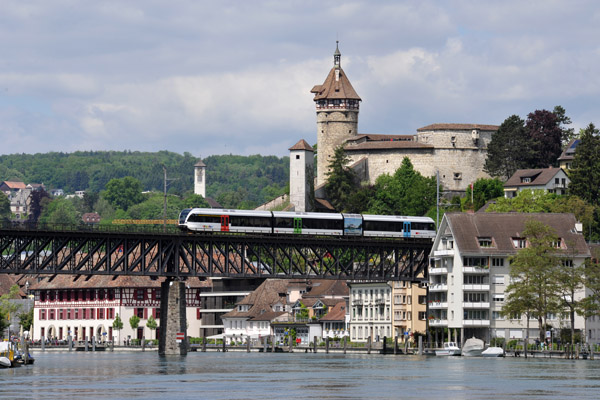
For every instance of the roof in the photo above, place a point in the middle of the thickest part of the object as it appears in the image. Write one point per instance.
(327, 287)
(261, 300)
(539, 176)
(569, 152)
(302, 145)
(212, 202)
(336, 313)
(13, 185)
(457, 127)
(6, 282)
(334, 88)
(466, 228)
(200, 164)
(107, 281)
(383, 142)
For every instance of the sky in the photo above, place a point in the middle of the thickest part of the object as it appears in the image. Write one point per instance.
(234, 77)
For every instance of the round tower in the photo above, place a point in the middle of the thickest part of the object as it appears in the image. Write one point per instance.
(200, 179)
(337, 114)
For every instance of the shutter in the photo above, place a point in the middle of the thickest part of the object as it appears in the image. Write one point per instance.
(145, 313)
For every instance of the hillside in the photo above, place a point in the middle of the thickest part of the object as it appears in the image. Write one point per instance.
(234, 181)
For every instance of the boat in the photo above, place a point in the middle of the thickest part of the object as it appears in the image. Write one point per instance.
(493, 352)
(473, 347)
(449, 349)
(7, 355)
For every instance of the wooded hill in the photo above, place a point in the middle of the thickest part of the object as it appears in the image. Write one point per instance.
(234, 181)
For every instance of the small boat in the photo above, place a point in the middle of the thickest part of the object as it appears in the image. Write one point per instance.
(5, 362)
(450, 349)
(473, 347)
(7, 355)
(493, 352)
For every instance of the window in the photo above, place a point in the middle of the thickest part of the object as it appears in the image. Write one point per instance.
(422, 299)
(481, 262)
(139, 312)
(140, 294)
(497, 315)
(519, 243)
(422, 316)
(557, 244)
(485, 242)
(42, 314)
(498, 279)
(100, 313)
(526, 180)
(198, 313)
(497, 262)
(498, 297)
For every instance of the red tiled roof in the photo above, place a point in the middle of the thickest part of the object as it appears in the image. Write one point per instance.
(539, 176)
(336, 313)
(302, 145)
(335, 89)
(107, 281)
(457, 127)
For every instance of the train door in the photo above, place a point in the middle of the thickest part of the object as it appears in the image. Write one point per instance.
(224, 223)
(297, 225)
(406, 229)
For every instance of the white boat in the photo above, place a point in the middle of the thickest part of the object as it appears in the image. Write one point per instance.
(7, 354)
(473, 347)
(493, 352)
(450, 349)
(5, 362)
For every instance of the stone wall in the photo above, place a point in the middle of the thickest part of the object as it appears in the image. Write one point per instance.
(334, 127)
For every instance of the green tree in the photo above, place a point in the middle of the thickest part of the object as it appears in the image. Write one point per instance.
(570, 278)
(533, 290)
(4, 207)
(509, 149)
(124, 192)
(60, 211)
(9, 308)
(485, 190)
(585, 171)
(118, 325)
(303, 313)
(196, 201)
(151, 323)
(134, 322)
(26, 320)
(341, 181)
(407, 192)
(563, 120)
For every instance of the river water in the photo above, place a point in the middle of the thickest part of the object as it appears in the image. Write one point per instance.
(240, 375)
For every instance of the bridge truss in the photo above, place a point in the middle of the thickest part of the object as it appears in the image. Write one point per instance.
(239, 256)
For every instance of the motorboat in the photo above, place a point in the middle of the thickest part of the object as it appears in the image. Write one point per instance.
(473, 347)
(7, 354)
(449, 349)
(493, 352)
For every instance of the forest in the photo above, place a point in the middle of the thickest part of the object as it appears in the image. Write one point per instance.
(234, 181)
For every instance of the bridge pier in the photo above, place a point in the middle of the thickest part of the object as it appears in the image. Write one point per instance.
(172, 318)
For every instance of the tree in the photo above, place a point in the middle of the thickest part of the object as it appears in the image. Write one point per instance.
(561, 117)
(26, 320)
(544, 130)
(9, 308)
(124, 192)
(151, 323)
(60, 211)
(4, 207)
(134, 322)
(118, 325)
(407, 192)
(585, 171)
(533, 290)
(341, 181)
(196, 201)
(38, 199)
(485, 190)
(509, 149)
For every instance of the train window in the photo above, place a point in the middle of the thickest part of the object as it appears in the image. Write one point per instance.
(204, 218)
(324, 224)
(253, 222)
(183, 215)
(284, 222)
(382, 226)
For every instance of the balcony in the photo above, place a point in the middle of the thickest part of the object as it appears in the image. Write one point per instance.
(438, 305)
(443, 253)
(438, 271)
(380, 301)
(357, 302)
(476, 305)
(478, 287)
(438, 287)
(476, 270)
(438, 322)
(476, 322)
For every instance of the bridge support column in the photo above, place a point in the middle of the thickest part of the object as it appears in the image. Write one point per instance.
(172, 318)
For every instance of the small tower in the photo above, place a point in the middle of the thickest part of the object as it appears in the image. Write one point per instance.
(302, 164)
(200, 179)
(337, 114)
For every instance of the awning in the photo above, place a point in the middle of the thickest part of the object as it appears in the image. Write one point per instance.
(219, 336)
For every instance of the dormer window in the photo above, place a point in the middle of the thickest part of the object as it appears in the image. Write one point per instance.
(526, 180)
(485, 242)
(519, 243)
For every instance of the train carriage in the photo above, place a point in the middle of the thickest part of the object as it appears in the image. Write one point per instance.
(398, 226)
(222, 220)
(307, 223)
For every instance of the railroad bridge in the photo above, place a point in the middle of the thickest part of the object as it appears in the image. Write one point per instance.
(176, 256)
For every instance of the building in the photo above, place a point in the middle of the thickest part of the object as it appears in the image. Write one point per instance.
(370, 314)
(200, 178)
(552, 180)
(84, 307)
(18, 195)
(301, 175)
(409, 308)
(469, 272)
(457, 151)
(566, 158)
(91, 218)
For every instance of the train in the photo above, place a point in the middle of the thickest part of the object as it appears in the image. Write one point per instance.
(304, 223)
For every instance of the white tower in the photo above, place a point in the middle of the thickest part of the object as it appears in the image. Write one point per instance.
(302, 161)
(200, 179)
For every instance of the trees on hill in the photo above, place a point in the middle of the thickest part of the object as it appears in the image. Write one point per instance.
(509, 149)
(585, 173)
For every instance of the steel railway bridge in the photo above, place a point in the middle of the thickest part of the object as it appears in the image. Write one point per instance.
(179, 255)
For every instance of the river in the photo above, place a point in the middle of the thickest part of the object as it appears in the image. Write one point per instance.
(240, 375)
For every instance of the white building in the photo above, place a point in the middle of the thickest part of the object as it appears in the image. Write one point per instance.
(469, 272)
(370, 314)
(552, 180)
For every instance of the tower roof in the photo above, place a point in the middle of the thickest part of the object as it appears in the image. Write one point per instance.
(336, 85)
(302, 145)
(200, 164)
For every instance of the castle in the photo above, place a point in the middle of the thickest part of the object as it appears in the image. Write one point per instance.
(456, 151)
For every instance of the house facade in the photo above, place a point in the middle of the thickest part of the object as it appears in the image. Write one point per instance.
(469, 272)
(552, 180)
(409, 308)
(370, 311)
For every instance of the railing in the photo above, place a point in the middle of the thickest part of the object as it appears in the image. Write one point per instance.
(82, 227)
